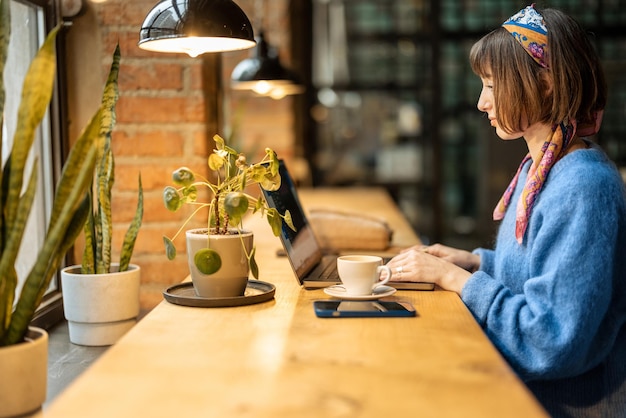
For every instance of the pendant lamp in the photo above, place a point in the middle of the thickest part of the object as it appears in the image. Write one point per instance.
(196, 27)
(264, 74)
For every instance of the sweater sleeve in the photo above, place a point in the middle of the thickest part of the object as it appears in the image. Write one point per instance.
(547, 330)
(486, 259)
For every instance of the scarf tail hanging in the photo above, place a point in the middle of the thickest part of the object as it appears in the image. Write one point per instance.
(551, 151)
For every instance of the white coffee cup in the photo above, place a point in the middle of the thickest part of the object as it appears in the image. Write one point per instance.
(360, 274)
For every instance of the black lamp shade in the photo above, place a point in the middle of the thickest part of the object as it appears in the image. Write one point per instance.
(264, 74)
(196, 27)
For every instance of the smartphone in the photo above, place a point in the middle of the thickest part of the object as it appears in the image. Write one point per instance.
(362, 308)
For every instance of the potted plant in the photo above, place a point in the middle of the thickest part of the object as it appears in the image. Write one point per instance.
(23, 383)
(221, 255)
(101, 298)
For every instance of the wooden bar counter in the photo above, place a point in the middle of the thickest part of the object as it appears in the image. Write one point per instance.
(277, 359)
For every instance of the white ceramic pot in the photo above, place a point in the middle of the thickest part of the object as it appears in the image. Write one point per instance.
(232, 278)
(100, 308)
(23, 374)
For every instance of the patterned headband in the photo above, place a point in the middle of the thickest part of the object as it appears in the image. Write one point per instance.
(529, 29)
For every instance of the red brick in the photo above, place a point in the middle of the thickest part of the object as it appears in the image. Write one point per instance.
(155, 76)
(154, 176)
(147, 142)
(160, 109)
(124, 12)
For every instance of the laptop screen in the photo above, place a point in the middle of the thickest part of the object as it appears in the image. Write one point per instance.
(301, 246)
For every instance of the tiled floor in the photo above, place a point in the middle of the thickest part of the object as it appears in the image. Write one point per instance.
(66, 360)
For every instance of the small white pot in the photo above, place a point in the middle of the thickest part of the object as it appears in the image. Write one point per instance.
(232, 278)
(24, 373)
(100, 308)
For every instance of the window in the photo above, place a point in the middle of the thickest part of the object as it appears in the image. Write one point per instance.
(29, 26)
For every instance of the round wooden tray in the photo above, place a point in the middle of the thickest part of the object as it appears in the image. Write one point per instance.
(185, 295)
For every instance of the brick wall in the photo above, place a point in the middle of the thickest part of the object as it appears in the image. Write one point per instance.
(162, 121)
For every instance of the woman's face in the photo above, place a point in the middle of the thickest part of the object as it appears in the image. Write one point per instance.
(486, 104)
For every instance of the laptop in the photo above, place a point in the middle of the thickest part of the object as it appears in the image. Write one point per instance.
(312, 267)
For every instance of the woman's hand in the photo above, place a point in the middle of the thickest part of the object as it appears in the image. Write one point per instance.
(435, 264)
(462, 258)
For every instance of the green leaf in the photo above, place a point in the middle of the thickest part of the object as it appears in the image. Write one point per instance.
(104, 182)
(215, 162)
(183, 176)
(105, 170)
(14, 209)
(36, 95)
(88, 264)
(5, 35)
(254, 267)
(133, 231)
(41, 275)
(170, 249)
(111, 95)
(190, 193)
(171, 199)
(275, 221)
(219, 142)
(271, 183)
(236, 205)
(207, 260)
(288, 220)
(8, 283)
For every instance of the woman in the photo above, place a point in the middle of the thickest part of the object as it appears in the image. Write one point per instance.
(551, 295)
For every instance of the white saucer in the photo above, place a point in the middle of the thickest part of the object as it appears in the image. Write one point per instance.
(339, 291)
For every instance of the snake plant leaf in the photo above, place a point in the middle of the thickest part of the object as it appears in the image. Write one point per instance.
(25, 310)
(99, 225)
(5, 35)
(36, 95)
(88, 265)
(76, 178)
(111, 94)
(14, 240)
(133, 231)
(7, 288)
(105, 177)
(105, 170)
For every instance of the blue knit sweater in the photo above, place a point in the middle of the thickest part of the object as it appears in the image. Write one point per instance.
(555, 306)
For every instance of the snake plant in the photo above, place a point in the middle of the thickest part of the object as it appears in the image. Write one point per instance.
(99, 226)
(71, 203)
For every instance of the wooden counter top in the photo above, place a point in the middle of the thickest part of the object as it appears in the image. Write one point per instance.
(276, 359)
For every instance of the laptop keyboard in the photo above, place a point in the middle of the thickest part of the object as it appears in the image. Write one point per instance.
(326, 270)
(329, 272)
